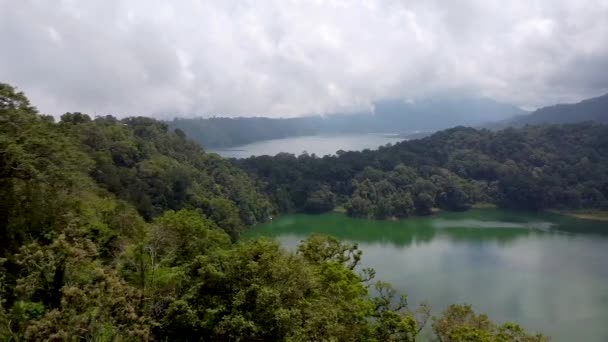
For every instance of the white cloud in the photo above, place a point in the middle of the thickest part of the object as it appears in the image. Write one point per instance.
(289, 57)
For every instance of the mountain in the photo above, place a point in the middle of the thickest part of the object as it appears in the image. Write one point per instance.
(593, 109)
(441, 113)
(389, 115)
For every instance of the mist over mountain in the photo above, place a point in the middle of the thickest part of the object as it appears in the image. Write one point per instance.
(593, 109)
(386, 116)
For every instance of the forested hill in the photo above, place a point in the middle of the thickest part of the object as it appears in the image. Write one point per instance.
(593, 109)
(120, 230)
(137, 160)
(531, 168)
(393, 116)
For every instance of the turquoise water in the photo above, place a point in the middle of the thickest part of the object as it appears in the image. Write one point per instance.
(547, 272)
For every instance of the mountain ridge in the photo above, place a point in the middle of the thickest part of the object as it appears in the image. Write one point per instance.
(591, 109)
(388, 115)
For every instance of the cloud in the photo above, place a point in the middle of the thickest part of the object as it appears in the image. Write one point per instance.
(289, 57)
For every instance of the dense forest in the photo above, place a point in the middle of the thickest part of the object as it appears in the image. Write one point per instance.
(120, 230)
(227, 132)
(531, 168)
(387, 116)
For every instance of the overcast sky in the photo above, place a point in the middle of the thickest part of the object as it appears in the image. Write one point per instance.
(287, 58)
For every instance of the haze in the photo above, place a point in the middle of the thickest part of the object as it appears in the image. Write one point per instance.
(289, 58)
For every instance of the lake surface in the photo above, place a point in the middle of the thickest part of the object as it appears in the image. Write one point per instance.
(547, 272)
(318, 144)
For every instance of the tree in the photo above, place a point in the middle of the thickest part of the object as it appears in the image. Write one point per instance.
(423, 203)
(41, 171)
(259, 292)
(521, 192)
(384, 208)
(403, 176)
(320, 201)
(319, 249)
(459, 323)
(65, 293)
(75, 118)
(13, 100)
(359, 207)
(178, 237)
(453, 198)
(395, 320)
(403, 205)
(226, 215)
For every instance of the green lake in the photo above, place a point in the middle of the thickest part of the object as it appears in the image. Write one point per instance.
(547, 272)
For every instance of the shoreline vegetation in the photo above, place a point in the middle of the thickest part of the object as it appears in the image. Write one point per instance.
(590, 215)
(535, 168)
(484, 206)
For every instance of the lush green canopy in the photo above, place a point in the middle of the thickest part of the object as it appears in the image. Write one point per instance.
(532, 168)
(119, 230)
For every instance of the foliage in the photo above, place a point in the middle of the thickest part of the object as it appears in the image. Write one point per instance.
(318, 249)
(41, 172)
(459, 323)
(532, 168)
(141, 161)
(320, 201)
(123, 231)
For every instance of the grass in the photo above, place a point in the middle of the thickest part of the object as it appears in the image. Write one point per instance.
(484, 206)
(596, 215)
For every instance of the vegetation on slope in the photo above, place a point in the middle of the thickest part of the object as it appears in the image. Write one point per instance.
(121, 230)
(532, 168)
(141, 161)
(593, 109)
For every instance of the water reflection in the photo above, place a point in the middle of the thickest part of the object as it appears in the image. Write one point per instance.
(318, 144)
(546, 271)
(403, 233)
(474, 223)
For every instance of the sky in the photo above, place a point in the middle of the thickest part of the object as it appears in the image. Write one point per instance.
(274, 58)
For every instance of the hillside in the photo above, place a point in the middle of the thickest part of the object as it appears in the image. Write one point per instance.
(392, 116)
(136, 160)
(120, 230)
(531, 168)
(593, 109)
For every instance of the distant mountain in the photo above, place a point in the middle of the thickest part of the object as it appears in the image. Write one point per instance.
(593, 109)
(436, 114)
(394, 116)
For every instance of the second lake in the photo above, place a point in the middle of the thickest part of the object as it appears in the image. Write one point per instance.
(318, 144)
